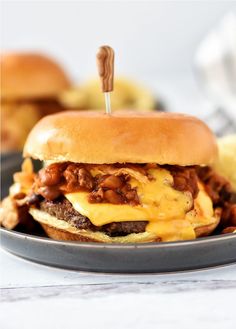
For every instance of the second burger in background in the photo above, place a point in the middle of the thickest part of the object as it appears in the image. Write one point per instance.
(30, 86)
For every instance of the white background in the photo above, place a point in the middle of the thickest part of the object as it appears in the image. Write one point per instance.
(151, 38)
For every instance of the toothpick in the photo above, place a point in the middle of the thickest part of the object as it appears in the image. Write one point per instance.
(105, 64)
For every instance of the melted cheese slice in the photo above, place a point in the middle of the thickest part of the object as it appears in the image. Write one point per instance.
(159, 201)
(172, 230)
(162, 206)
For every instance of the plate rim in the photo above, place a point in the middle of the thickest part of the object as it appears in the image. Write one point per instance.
(99, 245)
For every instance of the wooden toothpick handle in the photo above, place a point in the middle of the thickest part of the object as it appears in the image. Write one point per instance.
(105, 63)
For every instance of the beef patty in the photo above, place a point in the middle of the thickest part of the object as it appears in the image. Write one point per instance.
(62, 209)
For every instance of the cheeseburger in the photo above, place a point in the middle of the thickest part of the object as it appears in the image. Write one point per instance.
(126, 178)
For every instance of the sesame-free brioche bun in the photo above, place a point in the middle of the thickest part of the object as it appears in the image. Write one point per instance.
(61, 230)
(98, 138)
(31, 75)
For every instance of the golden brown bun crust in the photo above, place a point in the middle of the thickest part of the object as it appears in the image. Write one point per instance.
(61, 230)
(31, 75)
(94, 137)
(59, 234)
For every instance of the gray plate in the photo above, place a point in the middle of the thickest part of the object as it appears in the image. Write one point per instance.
(143, 258)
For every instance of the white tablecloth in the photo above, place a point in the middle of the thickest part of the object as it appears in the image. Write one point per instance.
(36, 296)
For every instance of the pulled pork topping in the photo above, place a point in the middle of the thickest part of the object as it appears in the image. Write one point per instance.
(57, 179)
(105, 184)
(110, 184)
(220, 191)
(185, 179)
(114, 189)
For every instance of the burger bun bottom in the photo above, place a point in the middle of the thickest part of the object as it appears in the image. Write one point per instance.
(62, 230)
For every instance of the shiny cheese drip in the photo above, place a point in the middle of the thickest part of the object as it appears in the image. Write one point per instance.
(161, 205)
(172, 230)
